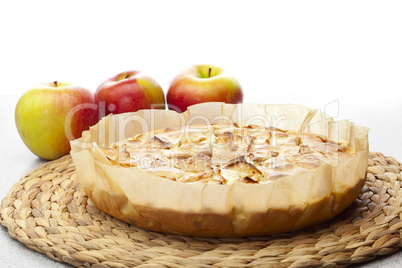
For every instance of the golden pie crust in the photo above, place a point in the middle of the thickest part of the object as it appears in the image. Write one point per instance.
(223, 169)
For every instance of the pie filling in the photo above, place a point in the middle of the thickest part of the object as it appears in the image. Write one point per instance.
(225, 154)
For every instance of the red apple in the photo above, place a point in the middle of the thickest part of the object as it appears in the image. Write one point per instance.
(129, 92)
(49, 115)
(203, 83)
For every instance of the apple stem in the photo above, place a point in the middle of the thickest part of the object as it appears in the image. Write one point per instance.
(209, 72)
(55, 83)
(127, 76)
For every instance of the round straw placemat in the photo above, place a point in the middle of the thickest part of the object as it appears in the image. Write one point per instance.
(48, 211)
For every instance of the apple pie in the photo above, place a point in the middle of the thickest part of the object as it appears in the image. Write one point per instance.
(221, 170)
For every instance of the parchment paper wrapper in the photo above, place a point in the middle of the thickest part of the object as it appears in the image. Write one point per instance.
(239, 209)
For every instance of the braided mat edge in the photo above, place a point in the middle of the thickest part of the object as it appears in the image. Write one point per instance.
(48, 211)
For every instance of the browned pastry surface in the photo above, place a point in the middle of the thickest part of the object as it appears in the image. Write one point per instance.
(225, 154)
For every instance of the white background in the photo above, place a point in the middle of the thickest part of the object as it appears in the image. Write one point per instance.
(345, 56)
(305, 52)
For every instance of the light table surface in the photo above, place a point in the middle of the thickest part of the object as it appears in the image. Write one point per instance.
(16, 161)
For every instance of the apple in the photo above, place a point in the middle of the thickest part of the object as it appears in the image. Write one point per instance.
(129, 91)
(50, 115)
(203, 83)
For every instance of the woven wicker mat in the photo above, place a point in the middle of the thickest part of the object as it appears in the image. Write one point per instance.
(48, 211)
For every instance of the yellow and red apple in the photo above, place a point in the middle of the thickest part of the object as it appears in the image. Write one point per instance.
(129, 92)
(51, 114)
(203, 83)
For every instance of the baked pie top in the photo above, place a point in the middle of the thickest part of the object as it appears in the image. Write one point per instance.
(225, 154)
